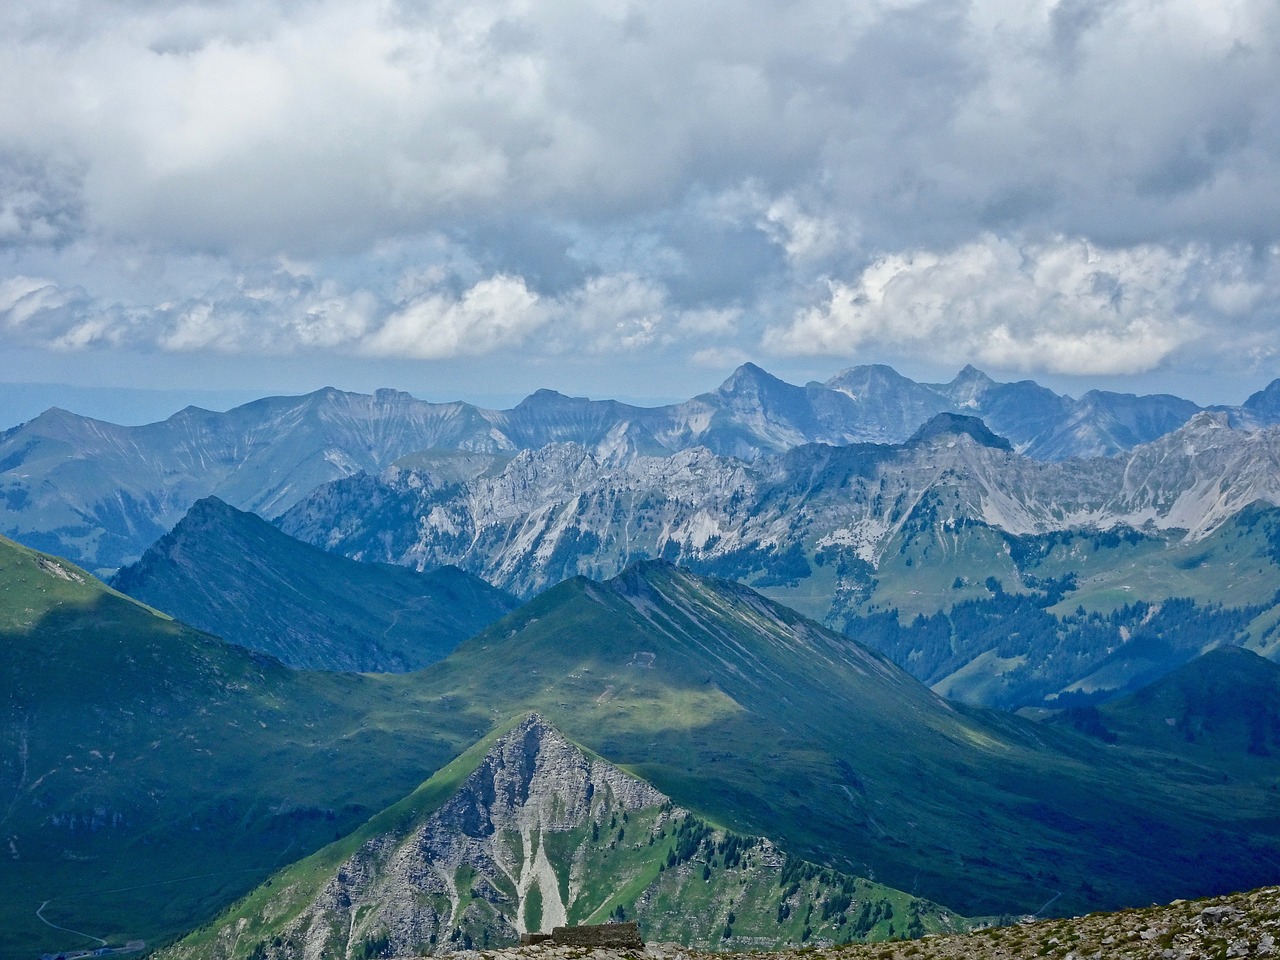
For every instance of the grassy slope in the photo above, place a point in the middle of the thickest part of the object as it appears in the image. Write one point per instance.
(844, 760)
(1236, 566)
(218, 761)
(1222, 709)
(235, 575)
(151, 772)
(936, 564)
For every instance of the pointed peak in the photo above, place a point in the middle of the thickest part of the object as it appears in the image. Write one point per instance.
(749, 377)
(62, 417)
(865, 375)
(210, 505)
(534, 721)
(641, 574)
(971, 374)
(951, 425)
(545, 397)
(212, 509)
(206, 515)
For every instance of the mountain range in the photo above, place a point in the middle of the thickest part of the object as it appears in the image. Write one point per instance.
(954, 522)
(744, 700)
(1053, 567)
(159, 773)
(100, 493)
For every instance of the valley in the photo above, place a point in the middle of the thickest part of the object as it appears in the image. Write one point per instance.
(737, 709)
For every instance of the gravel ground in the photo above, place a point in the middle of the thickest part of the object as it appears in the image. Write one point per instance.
(1242, 925)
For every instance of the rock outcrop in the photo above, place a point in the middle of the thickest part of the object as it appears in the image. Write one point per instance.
(540, 836)
(1245, 925)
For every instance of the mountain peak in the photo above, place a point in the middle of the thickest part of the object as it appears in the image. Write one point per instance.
(545, 397)
(641, 573)
(229, 572)
(1223, 700)
(1207, 420)
(971, 374)
(968, 388)
(750, 378)
(955, 425)
(1266, 402)
(864, 381)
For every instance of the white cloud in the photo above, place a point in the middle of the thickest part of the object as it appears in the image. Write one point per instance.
(599, 178)
(498, 312)
(609, 314)
(331, 123)
(21, 298)
(1064, 306)
(289, 310)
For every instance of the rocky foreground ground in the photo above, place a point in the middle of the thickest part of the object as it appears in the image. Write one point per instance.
(1236, 926)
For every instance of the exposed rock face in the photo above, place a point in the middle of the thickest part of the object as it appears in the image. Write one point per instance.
(479, 867)
(541, 836)
(100, 493)
(563, 510)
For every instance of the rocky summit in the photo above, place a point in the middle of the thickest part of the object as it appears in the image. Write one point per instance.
(1242, 926)
(528, 833)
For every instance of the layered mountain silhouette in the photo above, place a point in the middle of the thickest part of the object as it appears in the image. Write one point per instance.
(577, 512)
(145, 748)
(100, 493)
(1032, 577)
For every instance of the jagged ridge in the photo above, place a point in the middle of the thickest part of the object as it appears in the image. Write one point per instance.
(562, 510)
(101, 493)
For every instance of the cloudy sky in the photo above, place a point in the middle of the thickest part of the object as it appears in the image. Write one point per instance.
(478, 197)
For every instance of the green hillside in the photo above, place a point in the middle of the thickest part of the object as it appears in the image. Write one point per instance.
(235, 575)
(762, 721)
(1059, 619)
(1222, 708)
(151, 772)
(157, 774)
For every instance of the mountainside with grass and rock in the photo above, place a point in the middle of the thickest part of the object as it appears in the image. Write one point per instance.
(527, 832)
